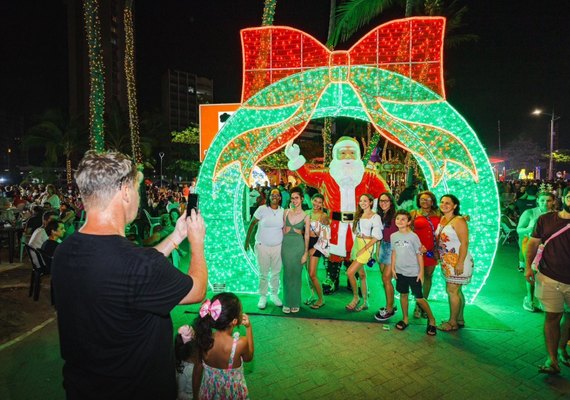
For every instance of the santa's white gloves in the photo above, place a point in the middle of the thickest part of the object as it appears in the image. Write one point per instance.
(293, 153)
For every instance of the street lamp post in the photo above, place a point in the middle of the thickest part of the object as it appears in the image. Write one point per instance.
(161, 155)
(553, 118)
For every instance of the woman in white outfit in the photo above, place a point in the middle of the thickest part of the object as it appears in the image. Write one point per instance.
(269, 219)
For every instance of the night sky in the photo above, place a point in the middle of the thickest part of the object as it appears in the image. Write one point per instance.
(521, 60)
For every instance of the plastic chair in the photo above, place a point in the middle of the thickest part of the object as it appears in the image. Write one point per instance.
(79, 224)
(152, 221)
(507, 229)
(39, 269)
(23, 241)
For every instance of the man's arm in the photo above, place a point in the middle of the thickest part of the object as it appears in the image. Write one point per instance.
(198, 270)
(524, 227)
(531, 248)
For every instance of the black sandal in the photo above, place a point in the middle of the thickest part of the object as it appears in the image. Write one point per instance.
(431, 330)
(401, 325)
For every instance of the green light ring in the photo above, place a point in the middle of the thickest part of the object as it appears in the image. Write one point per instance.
(223, 194)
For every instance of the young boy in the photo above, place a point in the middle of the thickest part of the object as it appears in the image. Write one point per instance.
(408, 269)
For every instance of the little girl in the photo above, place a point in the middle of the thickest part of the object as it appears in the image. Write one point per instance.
(185, 351)
(219, 374)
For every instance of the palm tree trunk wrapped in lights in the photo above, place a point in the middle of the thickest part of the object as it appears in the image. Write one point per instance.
(96, 75)
(130, 78)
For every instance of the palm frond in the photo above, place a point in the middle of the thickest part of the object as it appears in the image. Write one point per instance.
(456, 40)
(353, 15)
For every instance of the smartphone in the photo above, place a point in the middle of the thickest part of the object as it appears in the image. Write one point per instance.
(192, 202)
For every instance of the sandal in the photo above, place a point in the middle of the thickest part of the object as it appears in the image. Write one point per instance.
(431, 330)
(352, 305)
(401, 325)
(310, 301)
(563, 358)
(460, 324)
(362, 307)
(447, 327)
(317, 306)
(548, 369)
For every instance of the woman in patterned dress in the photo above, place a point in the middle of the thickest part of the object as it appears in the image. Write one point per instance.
(456, 262)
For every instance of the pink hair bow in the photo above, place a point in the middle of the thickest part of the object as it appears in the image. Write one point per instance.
(186, 333)
(214, 309)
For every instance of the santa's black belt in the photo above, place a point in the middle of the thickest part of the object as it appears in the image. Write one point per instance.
(343, 216)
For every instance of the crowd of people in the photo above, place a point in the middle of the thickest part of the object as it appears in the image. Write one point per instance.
(117, 264)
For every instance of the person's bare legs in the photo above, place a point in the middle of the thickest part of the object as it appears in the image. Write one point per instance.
(352, 270)
(313, 263)
(552, 337)
(388, 287)
(428, 278)
(363, 289)
(564, 336)
(404, 304)
(455, 301)
(424, 305)
(426, 286)
(460, 318)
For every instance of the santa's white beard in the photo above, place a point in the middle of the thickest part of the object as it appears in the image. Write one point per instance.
(347, 173)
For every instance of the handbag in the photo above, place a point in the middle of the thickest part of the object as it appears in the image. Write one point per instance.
(538, 256)
(322, 244)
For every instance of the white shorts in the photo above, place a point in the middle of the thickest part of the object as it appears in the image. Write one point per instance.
(554, 295)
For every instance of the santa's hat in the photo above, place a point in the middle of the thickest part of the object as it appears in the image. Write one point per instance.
(346, 142)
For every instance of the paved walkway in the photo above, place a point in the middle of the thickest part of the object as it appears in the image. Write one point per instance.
(323, 359)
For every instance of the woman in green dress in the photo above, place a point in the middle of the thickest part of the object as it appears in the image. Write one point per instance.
(294, 251)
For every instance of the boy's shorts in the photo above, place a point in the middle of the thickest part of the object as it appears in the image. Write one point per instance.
(405, 283)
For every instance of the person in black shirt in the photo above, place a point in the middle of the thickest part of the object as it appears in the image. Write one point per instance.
(35, 221)
(113, 298)
(55, 231)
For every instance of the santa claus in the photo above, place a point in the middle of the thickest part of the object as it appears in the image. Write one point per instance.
(341, 184)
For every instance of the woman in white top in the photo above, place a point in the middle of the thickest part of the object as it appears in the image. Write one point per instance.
(268, 247)
(367, 227)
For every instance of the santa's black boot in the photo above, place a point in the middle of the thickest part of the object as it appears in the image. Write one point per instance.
(330, 285)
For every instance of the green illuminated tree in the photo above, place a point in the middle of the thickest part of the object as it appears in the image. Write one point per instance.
(130, 78)
(96, 75)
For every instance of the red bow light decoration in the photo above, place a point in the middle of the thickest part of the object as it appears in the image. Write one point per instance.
(412, 47)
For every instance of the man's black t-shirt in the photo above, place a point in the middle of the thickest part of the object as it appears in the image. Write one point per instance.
(555, 261)
(525, 204)
(113, 301)
(34, 223)
(49, 247)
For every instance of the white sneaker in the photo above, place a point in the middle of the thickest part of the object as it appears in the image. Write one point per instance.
(276, 300)
(286, 310)
(262, 302)
(295, 309)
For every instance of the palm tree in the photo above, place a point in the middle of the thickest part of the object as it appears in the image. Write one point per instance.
(117, 127)
(130, 78)
(355, 14)
(58, 135)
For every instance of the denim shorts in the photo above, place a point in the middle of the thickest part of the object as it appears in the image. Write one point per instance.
(385, 253)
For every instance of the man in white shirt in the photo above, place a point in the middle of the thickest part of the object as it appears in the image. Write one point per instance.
(40, 236)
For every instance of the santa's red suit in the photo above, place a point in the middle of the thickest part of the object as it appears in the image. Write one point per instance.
(341, 202)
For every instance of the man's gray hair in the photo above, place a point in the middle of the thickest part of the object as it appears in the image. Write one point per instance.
(100, 175)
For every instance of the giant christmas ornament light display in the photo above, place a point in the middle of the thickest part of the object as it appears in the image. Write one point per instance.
(393, 78)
